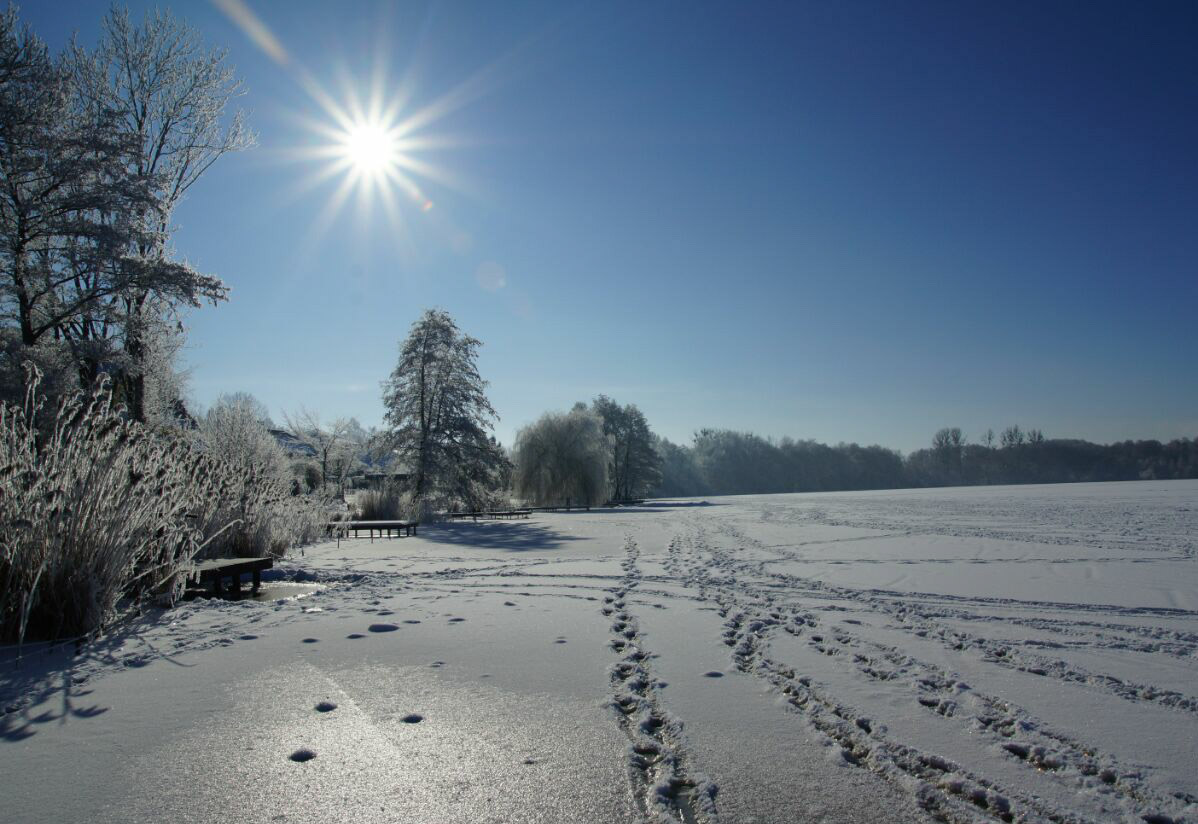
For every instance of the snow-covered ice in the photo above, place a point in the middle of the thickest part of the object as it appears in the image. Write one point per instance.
(975, 654)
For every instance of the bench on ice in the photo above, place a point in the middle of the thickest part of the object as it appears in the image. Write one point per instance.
(342, 528)
(216, 571)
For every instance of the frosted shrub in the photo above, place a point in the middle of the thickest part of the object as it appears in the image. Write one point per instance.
(234, 431)
(95, 508)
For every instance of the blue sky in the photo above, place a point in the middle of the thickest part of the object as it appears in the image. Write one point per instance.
(848, 222)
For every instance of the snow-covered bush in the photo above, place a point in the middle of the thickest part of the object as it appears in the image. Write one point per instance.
(235, 431)
(95, 508)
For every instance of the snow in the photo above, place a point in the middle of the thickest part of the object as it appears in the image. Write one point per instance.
(980, 654)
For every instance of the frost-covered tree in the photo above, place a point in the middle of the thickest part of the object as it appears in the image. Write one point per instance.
(64, 203)
(233, 431)
(438, 415)
(96, 149)
(1012, 436)
(166, 94)
(328, 440)
(635, 467)
(562, 459)
(259, 410)
(680, 474)
(166, 381)
(948, 444)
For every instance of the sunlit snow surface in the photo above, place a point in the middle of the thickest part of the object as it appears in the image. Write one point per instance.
(1001, 654)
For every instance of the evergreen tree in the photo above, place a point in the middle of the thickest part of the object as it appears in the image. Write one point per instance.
(439, 416)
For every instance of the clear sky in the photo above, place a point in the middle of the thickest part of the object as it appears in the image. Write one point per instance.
(842, 221)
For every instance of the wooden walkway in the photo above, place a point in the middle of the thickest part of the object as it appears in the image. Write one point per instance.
(500, 514)
(342, 528)
(216, 571)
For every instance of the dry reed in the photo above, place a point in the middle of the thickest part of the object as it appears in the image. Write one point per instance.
(97, 511)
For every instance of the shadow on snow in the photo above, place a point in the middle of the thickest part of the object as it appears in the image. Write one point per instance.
(43, 682)
(513, 536)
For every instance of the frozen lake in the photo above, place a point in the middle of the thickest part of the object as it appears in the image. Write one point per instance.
(974, 654)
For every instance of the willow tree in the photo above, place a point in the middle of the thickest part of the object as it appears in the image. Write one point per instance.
(438, 416)
(562, 459)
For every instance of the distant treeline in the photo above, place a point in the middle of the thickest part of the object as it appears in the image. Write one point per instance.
(723, 462)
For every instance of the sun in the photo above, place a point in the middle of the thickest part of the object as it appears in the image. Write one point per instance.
(370, 149)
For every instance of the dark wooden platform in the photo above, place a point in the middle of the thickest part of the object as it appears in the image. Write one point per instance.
(216, 571)
(342, 528)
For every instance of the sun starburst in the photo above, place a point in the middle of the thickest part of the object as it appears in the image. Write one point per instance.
(373, 152)
(368, 134)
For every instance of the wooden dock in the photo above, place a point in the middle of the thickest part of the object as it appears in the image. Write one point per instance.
(342, 528)
(496, 514)
(215, 572)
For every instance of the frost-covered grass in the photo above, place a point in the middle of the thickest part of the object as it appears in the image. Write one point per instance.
(252, 514)
(95, 509)
(378, 505)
